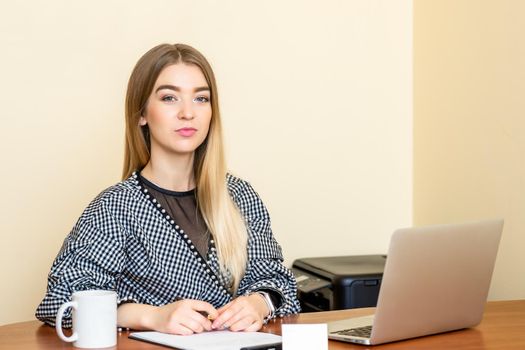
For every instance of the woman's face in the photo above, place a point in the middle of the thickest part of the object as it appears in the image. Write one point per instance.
(178, 111)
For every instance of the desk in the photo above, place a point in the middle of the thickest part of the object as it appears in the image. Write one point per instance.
(503, 327)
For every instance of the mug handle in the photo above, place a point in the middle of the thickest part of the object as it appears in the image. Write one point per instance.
(58, 323)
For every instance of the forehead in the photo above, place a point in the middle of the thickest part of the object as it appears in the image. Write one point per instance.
(181, 75)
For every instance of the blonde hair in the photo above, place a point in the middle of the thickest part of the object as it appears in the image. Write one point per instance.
(220, 213)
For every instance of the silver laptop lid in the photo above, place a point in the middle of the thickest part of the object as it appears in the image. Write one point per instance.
(436, 279)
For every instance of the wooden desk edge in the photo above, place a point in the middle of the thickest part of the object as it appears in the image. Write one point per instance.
(502, 320)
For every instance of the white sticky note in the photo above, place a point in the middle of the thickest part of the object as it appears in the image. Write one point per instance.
(305, 336)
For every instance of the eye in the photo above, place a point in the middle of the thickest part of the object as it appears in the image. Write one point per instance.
(168, 98)
(201, 99)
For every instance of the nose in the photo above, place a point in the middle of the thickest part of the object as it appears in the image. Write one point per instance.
(186, 112)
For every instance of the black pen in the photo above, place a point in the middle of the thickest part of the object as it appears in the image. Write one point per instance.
(273, 346)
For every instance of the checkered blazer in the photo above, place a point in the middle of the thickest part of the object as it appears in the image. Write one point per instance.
(125, 241)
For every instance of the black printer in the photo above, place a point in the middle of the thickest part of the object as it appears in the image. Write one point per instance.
(338, 282)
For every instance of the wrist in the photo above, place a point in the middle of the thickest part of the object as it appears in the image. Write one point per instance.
(149, 316)
(269, 304)
(136, 316)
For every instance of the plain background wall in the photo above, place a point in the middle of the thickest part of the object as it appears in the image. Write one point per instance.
(469, 123)
(316, 99)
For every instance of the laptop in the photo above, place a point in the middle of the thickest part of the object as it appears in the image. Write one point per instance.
(436, 279)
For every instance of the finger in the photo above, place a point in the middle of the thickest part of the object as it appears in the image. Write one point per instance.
(188, 318)
(237, 317)
(179, 329)
(225, 316)
(243, 317)
(254, 327)
(202, 318)
(243, 324)
(193, 322)
(201, 305)
(224, 307)
(211, 312)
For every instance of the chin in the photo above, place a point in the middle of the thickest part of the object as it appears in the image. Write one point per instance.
(184, 150)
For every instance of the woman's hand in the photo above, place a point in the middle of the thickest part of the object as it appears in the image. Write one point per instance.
(244, 313)
(181, 317)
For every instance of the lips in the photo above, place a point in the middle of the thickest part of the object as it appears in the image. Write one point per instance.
(186, 132)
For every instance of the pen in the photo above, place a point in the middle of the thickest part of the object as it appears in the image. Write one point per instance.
(205, 314)
(273, 346)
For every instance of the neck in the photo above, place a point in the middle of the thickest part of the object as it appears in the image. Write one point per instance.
(174, 173)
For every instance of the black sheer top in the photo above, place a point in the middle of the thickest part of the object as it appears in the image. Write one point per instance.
(182, 206)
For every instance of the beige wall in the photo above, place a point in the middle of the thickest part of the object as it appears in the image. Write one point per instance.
(316, 98)
(469, 122)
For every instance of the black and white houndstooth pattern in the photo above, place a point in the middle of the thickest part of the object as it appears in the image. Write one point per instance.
(125, 241)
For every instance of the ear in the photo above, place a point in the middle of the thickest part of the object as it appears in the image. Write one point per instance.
(142, 121)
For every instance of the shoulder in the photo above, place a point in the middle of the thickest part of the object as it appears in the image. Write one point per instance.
(236, 185)
(114, 197)
(240, 188)
(126, 188)
(246, 198)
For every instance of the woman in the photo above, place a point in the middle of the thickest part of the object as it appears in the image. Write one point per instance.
(187, 247)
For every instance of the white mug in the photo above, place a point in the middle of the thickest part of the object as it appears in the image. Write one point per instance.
(94, 319)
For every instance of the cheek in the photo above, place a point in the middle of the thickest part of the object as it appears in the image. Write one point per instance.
(155, 114)
(207, 124)
(208, 115)
(208, 119)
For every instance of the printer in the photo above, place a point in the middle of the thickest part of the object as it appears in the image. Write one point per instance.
(339, 282)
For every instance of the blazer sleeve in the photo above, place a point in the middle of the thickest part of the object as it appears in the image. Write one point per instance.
(265, 269)
(91, 257)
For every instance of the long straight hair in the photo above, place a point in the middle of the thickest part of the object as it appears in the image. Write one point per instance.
(220, 213)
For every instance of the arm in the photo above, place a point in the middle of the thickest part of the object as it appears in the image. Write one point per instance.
(264, 272)
(90, 258)
(93, 256)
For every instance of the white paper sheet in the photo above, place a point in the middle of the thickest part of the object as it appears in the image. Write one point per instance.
(216, 340)
(305, 336)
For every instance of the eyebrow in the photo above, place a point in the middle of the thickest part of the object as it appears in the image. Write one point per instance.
(178, 89)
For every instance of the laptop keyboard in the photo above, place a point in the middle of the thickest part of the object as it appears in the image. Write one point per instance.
(363, 332)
